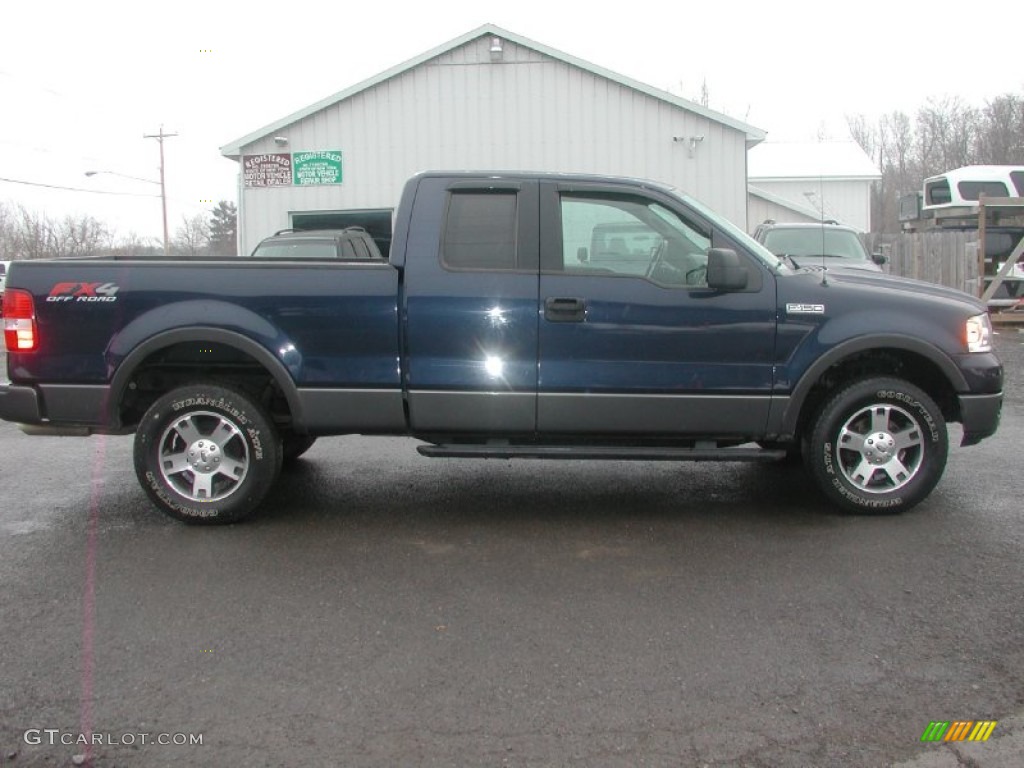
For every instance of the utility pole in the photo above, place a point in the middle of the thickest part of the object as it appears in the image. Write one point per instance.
(163, 190)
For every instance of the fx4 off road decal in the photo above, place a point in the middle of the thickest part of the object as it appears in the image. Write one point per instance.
(83, 292)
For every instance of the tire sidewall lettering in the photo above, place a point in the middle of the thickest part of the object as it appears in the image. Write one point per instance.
(257, 445)
(915, 404)
(220, 404)
(828, 459)
(173, 503)
(254, 427)
(867, 503)
(823, 458)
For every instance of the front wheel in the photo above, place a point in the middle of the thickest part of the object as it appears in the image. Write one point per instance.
(206, 454)
(878, 446)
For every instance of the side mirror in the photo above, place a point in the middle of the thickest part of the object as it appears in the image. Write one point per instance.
(879, 258)
(726, 270)
(581, 255)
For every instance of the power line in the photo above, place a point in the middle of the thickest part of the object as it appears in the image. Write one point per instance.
(73, 189)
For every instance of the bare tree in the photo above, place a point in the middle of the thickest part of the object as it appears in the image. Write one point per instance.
(192, 238)
(1001, 140)
(28, 234)
(82, 236)
(946, 129)
(8, 229)
(899, 146)
(944, 134)
(133, 244)
(866, 135)
(34, 238)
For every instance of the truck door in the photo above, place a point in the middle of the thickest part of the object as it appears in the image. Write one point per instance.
(632, 340)
(471, 307)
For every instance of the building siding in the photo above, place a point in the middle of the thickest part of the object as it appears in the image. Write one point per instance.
(846, 201)
(529, 111)
(760, 210)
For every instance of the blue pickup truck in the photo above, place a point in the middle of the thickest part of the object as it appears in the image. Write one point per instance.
(492, 330)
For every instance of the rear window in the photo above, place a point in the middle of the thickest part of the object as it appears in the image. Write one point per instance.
(300, 249)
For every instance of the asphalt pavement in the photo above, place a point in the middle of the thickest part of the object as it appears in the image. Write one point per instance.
(386, 609)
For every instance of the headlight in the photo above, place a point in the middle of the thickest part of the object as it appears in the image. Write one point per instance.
(979, 334)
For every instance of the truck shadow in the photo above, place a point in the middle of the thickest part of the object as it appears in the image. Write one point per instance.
(498, 492)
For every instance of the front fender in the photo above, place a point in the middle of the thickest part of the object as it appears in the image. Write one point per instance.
(854, 346)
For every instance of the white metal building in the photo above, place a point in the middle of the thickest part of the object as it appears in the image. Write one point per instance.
(489, 99)
(811, 181)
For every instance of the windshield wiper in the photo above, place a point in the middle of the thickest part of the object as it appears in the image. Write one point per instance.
(789, 260)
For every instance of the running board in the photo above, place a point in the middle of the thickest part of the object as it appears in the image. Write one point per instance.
(577, 452)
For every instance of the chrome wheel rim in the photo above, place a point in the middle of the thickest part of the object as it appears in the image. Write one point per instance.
(880, 448)
(203, 456)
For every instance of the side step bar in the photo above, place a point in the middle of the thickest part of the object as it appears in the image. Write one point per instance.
(577, 452)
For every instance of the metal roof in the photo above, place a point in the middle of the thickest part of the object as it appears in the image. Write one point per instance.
(784, 161)
(234, 148)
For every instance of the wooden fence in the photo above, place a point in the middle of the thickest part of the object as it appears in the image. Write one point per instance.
(946, 258)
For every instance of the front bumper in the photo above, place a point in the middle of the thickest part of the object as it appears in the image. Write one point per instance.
(979, 415)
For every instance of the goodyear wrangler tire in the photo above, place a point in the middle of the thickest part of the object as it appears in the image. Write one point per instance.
(878, 446)
(206, 454)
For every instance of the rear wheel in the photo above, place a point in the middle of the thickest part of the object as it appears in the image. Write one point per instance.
(878, 446)
(206, 454)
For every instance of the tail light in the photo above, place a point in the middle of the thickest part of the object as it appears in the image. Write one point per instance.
(20, 331)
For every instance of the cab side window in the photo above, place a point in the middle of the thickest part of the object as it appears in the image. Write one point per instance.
(480, 231)
(631, 236)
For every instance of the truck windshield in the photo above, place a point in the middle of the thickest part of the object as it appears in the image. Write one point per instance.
(813, 242)
(737, 234)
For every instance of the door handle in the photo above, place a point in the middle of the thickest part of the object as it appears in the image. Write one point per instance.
(565, 310)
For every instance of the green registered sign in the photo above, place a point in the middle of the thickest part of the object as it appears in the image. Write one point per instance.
(313, 168)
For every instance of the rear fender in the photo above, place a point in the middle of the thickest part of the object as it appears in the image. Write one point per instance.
(205, 321)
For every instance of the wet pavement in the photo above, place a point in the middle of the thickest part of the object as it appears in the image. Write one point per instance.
(387, 609)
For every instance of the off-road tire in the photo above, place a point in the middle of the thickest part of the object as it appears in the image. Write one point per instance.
(206, 454)
(878, 446)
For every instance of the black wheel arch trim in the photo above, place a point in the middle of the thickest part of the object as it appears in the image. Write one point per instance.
(851, 347)
(238, 341)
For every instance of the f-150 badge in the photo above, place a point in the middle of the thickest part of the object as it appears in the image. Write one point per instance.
(805, 309)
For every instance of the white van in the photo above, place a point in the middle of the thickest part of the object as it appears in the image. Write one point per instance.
(963, 186)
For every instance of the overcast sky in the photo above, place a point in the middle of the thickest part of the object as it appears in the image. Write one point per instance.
(81, 82)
